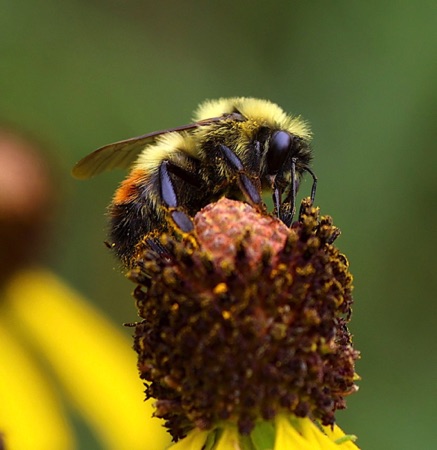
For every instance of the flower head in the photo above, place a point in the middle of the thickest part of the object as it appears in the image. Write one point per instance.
(245, 320)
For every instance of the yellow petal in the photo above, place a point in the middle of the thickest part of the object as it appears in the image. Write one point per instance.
(288, 437)
(92, 359)
(229, 439)
(195, 440)
(30, 415)
(315, 435)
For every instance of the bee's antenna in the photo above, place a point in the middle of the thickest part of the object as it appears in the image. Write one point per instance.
(293, 186)
(314, 186)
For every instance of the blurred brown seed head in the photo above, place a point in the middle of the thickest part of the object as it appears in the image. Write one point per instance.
(26, 200)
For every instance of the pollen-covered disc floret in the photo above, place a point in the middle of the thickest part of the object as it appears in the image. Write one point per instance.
(244, 320)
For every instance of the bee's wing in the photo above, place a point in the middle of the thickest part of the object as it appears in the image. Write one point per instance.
(123, 153)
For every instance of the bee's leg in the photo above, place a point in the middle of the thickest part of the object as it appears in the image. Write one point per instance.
(284, 210)
(169, 198)
(289, 205)
(155, 245)
(314, 186)
(248, 188)
(287, 208)
(277, 198)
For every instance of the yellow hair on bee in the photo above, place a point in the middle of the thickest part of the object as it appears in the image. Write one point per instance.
(167, 146)
(261, 112)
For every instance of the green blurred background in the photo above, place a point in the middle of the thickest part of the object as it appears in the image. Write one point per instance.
(85, 73)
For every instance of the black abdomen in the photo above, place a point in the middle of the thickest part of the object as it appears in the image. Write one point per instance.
(129, 223)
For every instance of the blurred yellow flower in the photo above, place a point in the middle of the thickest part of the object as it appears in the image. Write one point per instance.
(86, 359)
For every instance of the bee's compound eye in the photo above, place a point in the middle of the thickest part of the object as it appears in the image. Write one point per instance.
(280, 144)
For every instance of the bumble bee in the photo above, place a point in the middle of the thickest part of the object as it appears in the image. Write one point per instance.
(235, 147)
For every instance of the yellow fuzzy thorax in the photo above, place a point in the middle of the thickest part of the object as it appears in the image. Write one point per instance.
(262, 112)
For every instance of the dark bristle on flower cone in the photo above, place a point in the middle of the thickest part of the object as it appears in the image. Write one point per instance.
(244, 319)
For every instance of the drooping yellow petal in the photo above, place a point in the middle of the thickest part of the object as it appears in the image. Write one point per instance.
(195, 440)
(314, 434)
(303, 433)
(288, 437)
(91, 358)
(30, 415)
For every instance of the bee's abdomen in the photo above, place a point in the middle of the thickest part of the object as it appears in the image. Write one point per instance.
(132, 216)
(127, 226)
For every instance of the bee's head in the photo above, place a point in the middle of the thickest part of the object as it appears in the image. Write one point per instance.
(282, 147)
